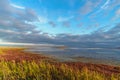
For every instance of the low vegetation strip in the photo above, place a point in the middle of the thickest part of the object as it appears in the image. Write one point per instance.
(18, 55)
(16, 64)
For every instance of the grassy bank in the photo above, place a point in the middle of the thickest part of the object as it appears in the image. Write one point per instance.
(16, 64)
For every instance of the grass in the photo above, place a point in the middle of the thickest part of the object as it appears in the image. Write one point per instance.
(46, 70)
(1, 52)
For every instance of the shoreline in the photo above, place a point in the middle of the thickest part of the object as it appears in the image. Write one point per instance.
(79, 59)
(18, 55)
(97, 61)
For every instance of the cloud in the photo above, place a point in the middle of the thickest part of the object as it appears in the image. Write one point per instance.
(112, 35)
(13, 24)
(89, 6)
(16, 6)
(14, 28)
(108, 6)
(53, 24)
(12, 17)
(62, 19)
(114, 4)
(43, 20)
(8, 31)
(117, 15)
(66, 23)
(65, 20)
(105, 5)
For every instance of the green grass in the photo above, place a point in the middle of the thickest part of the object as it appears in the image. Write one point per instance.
(45, 71)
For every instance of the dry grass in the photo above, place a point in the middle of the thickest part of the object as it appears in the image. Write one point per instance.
(16, 64)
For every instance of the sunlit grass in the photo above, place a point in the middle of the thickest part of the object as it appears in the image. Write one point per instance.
(45, 71)
(1, 51)
(4, 50)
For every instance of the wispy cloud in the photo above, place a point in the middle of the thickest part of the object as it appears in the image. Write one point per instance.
(66, 23)
(61, 19)
(118, 12)
(117, 15)
(53, 24)
(17, 6)
(89, 6)
(43, 20)
(105, 5)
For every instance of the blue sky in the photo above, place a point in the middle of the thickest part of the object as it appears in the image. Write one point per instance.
(52, 20)
(80, 16)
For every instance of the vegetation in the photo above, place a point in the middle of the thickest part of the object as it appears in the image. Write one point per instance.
(46, 70)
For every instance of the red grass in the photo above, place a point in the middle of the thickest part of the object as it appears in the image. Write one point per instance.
(20, 55)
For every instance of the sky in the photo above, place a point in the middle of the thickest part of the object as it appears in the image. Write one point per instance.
(59, 21)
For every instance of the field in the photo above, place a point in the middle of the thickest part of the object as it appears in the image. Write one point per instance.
(16, 64)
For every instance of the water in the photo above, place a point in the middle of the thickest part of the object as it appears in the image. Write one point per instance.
(85, 51)
(101, 51)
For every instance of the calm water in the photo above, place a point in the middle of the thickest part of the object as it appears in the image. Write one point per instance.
(100, 51)
(92, 50)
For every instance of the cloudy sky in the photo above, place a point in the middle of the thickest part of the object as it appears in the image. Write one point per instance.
(59, 21)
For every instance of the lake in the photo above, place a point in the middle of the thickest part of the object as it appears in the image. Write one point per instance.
(98, 51)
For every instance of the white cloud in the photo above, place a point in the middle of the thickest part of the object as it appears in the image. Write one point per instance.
(43, 20)
(27, 44)
(17, 6)
(105, 5)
